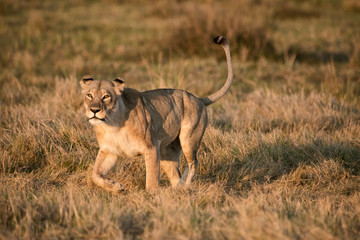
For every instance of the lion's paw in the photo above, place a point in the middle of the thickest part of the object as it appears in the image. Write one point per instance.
(118, 188)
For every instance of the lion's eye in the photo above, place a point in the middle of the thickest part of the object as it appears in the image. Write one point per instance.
(89, 95)
(106, 97)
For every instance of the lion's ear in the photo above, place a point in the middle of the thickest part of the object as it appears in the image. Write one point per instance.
(119, 85)
(85, 80)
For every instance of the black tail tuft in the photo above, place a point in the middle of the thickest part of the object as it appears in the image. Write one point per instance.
(221, 40)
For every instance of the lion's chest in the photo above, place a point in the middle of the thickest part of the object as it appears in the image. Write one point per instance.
(118, 141)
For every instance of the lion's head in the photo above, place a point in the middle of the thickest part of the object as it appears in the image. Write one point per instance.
(100, 98)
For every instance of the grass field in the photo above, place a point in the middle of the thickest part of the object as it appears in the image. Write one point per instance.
(280, 158)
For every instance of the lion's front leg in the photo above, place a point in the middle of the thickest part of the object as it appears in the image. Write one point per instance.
(104, 163)
(152, 164)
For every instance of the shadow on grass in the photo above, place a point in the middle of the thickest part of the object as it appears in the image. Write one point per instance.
(269, 162)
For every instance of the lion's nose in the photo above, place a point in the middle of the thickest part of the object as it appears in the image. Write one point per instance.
(95, 109)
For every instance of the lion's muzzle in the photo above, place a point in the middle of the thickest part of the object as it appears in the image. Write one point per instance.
(96, 113)
(95, 110)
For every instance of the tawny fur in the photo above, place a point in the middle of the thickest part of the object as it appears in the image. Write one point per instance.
(157, 124)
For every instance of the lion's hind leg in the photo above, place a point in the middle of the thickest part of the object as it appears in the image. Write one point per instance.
(103, 164)
(190, 137)
(169, 161)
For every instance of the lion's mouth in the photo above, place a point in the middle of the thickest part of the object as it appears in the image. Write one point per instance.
(96, 118)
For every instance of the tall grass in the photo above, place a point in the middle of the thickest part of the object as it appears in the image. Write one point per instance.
(280, 158)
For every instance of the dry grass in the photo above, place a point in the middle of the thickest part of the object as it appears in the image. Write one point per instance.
(279, 160)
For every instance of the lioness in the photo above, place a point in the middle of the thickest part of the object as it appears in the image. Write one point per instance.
(157, 124)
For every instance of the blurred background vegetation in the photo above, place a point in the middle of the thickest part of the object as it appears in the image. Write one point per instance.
(316, 42)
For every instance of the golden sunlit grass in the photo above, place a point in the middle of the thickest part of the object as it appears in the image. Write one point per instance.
(280, 158)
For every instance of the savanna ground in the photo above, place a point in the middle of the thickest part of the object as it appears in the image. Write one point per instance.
(280, 158)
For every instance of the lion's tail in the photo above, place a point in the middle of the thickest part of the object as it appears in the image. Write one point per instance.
(216, 96)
